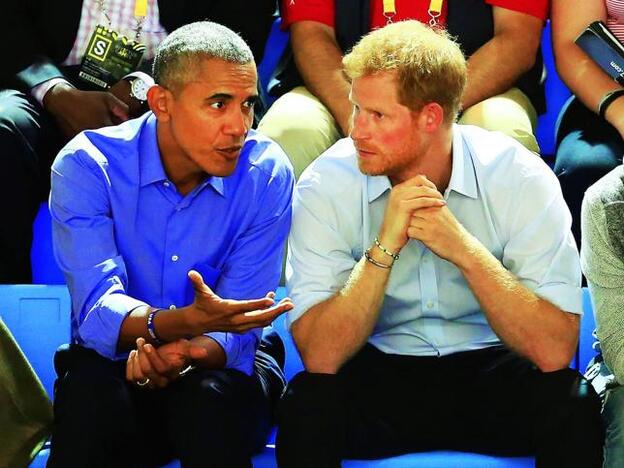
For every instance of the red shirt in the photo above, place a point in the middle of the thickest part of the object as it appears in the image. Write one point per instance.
(323, 10)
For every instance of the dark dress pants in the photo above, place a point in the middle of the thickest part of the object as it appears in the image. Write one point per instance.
(208, 418)
(486, 401)
(588, 147)
(29, 141)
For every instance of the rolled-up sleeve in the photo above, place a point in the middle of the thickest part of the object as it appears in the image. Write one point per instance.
(540, 249)
(320, 259)
(85, 250)
(254, 266)
(604, 271)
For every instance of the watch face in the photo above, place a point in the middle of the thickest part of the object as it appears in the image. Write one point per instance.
(138, 89)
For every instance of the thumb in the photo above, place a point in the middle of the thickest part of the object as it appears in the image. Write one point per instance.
(197, 352)
(117, 107)
(198, 283)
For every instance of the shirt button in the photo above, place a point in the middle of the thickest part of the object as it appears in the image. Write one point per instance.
(172, 306)
(429, 305)
(174, 258)
(166, 184)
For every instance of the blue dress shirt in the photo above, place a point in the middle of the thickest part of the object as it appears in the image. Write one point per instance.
(124, 236)
(503, 194)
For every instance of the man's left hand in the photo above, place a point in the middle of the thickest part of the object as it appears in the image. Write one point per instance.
(440, 231)
(158, 367)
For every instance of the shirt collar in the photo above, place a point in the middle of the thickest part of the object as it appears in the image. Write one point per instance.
(377, 186)
(150, 163)
(463, 178)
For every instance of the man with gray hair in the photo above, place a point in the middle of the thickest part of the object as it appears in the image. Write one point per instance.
(169, 229)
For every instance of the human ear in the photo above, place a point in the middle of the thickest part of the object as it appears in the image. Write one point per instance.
(433, 116)
(159, 101)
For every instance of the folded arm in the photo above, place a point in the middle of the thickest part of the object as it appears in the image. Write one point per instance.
(511, 52)
(580, 73)
(319, 61)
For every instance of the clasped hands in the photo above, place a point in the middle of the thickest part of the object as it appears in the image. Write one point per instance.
(156, 367)
(417, 210)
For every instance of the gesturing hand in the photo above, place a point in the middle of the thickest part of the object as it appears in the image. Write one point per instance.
(77, 110)
(157, 367)
(212, 313)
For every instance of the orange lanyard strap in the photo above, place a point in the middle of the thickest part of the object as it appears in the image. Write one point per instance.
(435, 10)
(389, 10)
(140, 12)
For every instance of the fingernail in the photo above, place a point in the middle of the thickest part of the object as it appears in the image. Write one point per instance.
(148, 348)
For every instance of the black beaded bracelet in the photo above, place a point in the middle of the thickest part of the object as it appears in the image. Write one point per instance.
(395, 256)
(608, 99)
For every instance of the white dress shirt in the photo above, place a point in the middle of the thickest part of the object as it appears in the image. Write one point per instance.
(503, 194)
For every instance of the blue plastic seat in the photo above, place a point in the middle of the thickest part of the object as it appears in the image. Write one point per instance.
(39, 319)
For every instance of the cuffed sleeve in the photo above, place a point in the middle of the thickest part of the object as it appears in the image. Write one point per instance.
(540, 249)
(85, 249)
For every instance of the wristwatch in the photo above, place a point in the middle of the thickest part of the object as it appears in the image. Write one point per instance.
(139, 86)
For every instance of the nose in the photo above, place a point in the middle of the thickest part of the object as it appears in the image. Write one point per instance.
(359, 126)
(238, 123)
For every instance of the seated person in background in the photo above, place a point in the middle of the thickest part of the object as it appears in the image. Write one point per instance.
(589, 136)
(185, 189)
(602, 260)
(463, 342)
(501, 37)
(44, 103)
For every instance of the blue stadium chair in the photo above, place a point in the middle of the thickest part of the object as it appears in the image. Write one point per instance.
(39, 319)
(586, 349)
(556, 96)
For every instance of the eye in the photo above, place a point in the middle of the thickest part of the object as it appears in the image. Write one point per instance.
(217, 105)
(250, 103)
(378, 115)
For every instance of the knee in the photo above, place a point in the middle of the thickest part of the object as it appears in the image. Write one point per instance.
(302, 126)
(88, 397)
(510, 113)
(572, 400)
(308, 396)
(16, 113)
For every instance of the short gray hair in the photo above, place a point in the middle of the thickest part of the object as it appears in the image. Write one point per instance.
(179, 52)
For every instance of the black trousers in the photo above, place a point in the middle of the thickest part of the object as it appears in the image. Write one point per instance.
(487, 401)
(29, 141)
(208, 418)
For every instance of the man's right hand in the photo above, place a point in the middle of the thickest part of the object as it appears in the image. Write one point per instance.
(77, 110)
(210, 313)
(406, 197)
